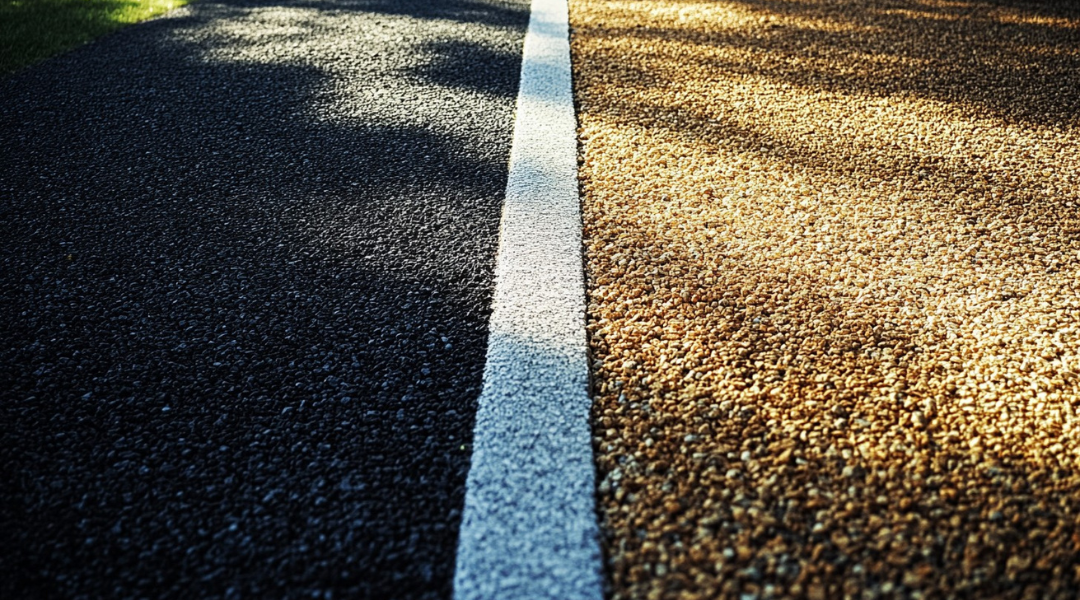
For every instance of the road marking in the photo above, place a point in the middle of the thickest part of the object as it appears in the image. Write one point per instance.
(529, 527)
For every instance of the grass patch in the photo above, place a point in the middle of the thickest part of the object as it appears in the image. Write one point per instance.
(32, 30)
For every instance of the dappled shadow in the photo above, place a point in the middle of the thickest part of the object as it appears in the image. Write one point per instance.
(465, 65)
(1008, 187)
(831, 259)
(832, 486)
(248, 262)
(834, 53)
(1011, 60)
(496, 13)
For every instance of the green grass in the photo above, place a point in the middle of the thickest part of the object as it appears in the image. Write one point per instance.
(32, 30)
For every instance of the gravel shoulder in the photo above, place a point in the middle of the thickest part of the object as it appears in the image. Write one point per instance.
(832, 262)
(248, 256)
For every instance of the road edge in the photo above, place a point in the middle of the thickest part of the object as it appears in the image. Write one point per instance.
(529, 526)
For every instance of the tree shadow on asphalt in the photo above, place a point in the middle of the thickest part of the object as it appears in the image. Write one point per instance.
(497, 13)
(245, 335)
(467, 65)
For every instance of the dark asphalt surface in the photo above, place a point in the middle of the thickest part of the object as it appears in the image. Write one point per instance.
(247, 255)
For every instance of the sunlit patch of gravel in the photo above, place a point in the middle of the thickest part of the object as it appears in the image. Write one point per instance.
(833, 255)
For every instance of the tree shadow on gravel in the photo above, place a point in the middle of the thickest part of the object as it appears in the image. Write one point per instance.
(245, 315)
(832, 488)
(1014, 60)
(1041, 198)
(723, 469)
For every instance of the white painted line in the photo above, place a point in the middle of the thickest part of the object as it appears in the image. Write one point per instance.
(529, 527)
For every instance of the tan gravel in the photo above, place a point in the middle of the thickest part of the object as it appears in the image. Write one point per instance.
(833, 254)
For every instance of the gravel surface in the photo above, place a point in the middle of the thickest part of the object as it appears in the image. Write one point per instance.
(833, 254)
(247, 260)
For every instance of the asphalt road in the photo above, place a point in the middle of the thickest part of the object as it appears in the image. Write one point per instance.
(247, 256)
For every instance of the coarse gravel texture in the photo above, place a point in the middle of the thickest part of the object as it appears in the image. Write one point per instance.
(833, 266)
(247, 255)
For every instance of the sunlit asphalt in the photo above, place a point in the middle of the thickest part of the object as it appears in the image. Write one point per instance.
(247, 255)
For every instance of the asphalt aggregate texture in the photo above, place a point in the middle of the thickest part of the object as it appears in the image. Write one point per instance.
(247, 254)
